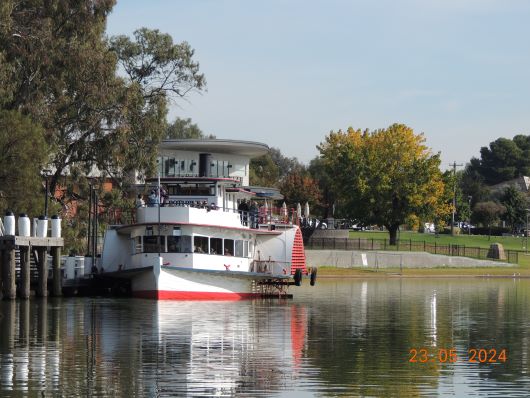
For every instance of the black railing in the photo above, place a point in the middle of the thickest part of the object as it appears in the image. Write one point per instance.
(512, 256)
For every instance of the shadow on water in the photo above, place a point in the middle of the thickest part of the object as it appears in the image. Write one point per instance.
(346, 338)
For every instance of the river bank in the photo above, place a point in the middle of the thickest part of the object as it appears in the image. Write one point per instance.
(441, 272)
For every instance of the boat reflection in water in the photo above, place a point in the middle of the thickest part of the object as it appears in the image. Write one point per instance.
(238, 345)
(110, 347)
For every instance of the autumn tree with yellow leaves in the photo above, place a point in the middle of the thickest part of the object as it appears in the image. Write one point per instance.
(385, 176)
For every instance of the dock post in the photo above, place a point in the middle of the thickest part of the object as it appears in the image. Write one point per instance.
(1, 272)
(9, 283)
(24, 272)
(42, 286)
(56, 254)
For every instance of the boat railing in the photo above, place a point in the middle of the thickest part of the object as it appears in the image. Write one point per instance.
(271, 267)
(253, 218)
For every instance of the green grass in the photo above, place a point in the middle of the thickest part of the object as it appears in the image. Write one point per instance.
(509, 242)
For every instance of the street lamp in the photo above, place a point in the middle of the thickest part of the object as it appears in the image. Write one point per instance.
(469, 223)
(46, 173)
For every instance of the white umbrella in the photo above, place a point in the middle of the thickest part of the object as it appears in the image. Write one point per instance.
(306, 210)
(299, 210)
(284, 209)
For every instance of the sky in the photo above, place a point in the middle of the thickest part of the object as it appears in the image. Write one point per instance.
(287, 72)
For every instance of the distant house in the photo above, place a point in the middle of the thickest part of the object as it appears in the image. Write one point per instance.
(522, 184)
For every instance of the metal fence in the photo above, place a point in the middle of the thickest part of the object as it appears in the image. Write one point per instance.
(512, 256)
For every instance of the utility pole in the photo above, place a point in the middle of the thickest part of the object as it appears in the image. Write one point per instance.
(454, 197)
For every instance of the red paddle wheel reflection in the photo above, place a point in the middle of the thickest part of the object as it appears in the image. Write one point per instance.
(298, 333)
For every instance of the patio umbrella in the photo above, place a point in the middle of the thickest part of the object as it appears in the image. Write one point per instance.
(284, 209)
(299, 210)
(306, 210)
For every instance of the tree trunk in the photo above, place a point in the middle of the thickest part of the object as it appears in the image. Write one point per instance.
(392, 231)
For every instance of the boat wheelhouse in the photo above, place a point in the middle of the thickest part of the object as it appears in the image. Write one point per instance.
(204, 233)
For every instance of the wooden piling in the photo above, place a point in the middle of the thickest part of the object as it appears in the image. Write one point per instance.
(9, 283)
(1, 272)
(57, 280)
(24, 272)
(42, 284)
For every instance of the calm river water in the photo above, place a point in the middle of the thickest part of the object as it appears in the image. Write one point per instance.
(468, 337)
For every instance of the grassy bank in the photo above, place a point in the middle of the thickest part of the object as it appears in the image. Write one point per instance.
(509, 242)
(334, 272)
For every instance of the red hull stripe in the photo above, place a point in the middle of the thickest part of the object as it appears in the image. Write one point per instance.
(176, 295)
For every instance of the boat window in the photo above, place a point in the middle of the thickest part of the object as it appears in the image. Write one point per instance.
(174, 244)
(190, 190)
(169, 167)
(185, 244)
(229, 247)
(245, 248)
(239, 248)
(216, 246)
(250, 248)
(137, 245)
(151, 244)
(200, 244)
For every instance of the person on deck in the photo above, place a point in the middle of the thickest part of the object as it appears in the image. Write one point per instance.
(140, 201)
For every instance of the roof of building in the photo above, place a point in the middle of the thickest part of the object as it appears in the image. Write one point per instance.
(232, 147)
(521, 183)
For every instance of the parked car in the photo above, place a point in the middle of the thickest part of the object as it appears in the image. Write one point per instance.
(429, 228)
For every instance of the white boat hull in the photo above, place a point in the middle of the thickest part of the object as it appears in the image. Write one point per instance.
(173, 283)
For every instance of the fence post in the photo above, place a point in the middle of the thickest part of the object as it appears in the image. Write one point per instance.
(372, 243)
(384, 243)
(435, 247)
(424, 247)
(410, 244)
(397, 241)
(358, 243)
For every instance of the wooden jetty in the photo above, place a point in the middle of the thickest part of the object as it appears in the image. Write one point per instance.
(29, 245)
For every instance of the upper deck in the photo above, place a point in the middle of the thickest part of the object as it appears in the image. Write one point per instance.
(208, 158)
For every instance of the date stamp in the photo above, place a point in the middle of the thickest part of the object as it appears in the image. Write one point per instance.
(450, 355)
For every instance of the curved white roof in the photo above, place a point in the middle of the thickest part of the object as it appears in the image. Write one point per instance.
(233, 147)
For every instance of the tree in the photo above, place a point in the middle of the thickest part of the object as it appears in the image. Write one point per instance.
(58, 68)
(515, 203)
(263, 171)
(328, 201)
(472, 184)
(504, 160)
(63, 75)
(488, 213)
(270, 169)
(385, 176)
(300, 188)
(23, 155)
(185, 129)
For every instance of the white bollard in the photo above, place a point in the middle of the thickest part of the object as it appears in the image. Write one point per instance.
(24, 225)
(9, 223)
(56, 227)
